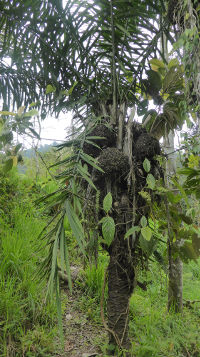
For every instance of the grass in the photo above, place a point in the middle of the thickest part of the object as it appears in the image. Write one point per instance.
(27, 323)
(155, 332)
(94, 277)
(91, 283)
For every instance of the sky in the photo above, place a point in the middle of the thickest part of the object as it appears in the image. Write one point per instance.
(56, 129)
(52, 129)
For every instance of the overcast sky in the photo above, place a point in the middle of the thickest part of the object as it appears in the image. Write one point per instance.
(52, 129)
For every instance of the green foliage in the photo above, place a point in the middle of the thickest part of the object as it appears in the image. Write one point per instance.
(192, 181)
(146, 233)
(18, 123)
(94, 277)
(27, 324)
(107, 202)
(143, 221)
(151, 182)
(75, 225)
(154, 332)
(173, 219)
(131, 231)
(108, 229)
(146, 165)
(42, 58)
(165, 84)
(108, 224)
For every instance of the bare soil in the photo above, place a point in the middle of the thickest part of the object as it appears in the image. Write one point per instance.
(83, 337)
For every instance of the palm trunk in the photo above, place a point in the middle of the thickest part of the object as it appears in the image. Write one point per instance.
(118, 304)
(121, 158)
(121, 278)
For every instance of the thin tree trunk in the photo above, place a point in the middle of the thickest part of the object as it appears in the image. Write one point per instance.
(175, 284)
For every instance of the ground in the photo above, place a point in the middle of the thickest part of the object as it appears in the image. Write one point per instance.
(83, 336)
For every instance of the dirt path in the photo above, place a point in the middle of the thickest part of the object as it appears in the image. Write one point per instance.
(83, 337)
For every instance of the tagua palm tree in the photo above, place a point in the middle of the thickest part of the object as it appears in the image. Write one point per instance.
(89, 57)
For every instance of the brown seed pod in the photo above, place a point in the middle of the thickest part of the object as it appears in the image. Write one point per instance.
(112, 161)
(108, 139)
(146, 146)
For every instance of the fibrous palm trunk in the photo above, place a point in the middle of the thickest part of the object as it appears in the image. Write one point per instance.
(120, 286)
(121, 157)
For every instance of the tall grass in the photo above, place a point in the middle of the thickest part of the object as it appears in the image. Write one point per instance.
(157, 333)
(94, 277)
(153, 331)
(26, 321)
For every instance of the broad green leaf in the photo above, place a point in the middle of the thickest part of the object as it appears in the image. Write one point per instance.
(142, 107)
(151, 182)
(145, 195)
(156, 64)
(50, 89)
(108, 229)
(147, 165)
(143, 221)
(107, 202)
(173, 80)
(131, 231)
(188, 251)
(173, 63)
(154, 80)
(144, 244)
(162, 189)
(146, 233)
(186, 219)
(66, 224)
(31, 113)
(8, 165)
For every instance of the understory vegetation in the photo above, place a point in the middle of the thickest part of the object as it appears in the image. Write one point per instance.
(27, 322)
(28, 325)
(154, 332)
